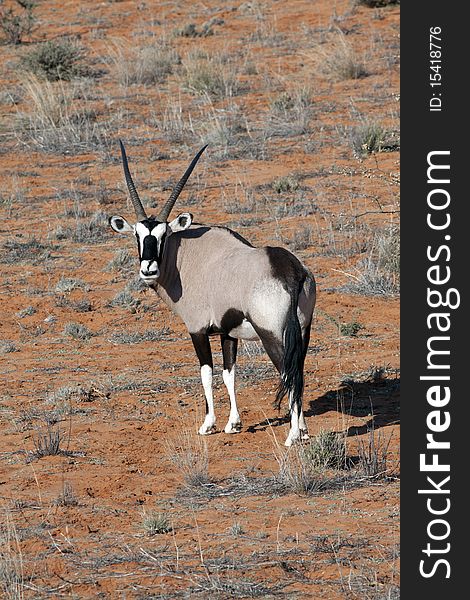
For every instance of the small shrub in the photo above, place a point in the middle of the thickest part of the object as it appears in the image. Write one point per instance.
(7, 346)
(154, 523)
(26, 312)
(18, 23)
(77, 331)
(56, 60)
(63, 397)
(174, 125)
(124, 299)
(350, 329)
(292, 100)
(135, 284)
(48, 444)
(13, 195)
(297, 474)
(122, 260)
(65, 285)
(137, 337)
(267, 34)
(81, 305)
(31, 250)
(188, 30)
(191, 30)
(289, 183)
(236, 529)
(367, 138)
(316, 466)
(327, 450)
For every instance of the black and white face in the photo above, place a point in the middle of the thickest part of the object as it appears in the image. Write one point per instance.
(151, 236)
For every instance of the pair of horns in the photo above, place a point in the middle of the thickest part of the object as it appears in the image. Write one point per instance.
(137, 203)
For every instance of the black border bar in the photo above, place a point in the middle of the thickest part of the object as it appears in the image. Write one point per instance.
(434, 525)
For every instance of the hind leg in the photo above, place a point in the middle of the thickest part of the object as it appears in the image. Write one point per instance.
(302, 424)
(298, 427)
(295, 417)
(229, 353)
(275, 350)
(272, 345)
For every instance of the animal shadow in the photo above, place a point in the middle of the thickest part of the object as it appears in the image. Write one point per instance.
(374, 394)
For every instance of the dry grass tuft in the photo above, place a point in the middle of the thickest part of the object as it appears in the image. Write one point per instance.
(188, 452)
(55, 123)
(212, 76)
(379, 273)
(11, 560)
(313, 468)
(147, 64)
(373, 454)
(341, 61)
(154, 523)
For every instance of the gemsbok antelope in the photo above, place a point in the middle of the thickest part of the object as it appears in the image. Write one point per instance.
(219, 284)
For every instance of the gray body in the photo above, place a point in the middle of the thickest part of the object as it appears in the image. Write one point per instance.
(207, 272)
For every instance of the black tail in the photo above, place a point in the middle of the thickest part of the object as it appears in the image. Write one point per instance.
(292, 372)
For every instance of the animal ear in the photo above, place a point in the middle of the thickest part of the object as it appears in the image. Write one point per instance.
(182, 222)
(120, 225)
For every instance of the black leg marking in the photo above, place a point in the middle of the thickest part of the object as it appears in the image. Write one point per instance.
(272, 346)
(202, 346)
(229, 351)
(232, 318)
(306, 338)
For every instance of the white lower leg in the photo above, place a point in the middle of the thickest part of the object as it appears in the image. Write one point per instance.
(294, 432)
(303, 426)
(209, 422)
(234, 423)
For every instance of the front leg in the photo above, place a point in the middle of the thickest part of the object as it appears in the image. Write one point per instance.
(203, 350)
(229, 353)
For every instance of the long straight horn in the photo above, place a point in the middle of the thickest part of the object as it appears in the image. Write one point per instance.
(166, 210)
(138, 207)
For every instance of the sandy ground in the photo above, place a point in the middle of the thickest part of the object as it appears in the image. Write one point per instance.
(96, 371)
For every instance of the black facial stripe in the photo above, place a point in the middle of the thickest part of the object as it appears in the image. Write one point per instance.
(162, 246)
(150, 248)
(138, 244)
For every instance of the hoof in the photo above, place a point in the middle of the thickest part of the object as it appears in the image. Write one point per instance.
(299, 436)
(206, 429)
(233, 427)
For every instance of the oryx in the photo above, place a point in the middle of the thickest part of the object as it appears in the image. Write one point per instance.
(219, 284)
